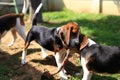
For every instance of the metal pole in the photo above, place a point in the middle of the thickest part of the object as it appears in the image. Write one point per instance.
(16, 8)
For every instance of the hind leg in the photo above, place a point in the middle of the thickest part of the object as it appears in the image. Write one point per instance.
(13, 31)
(21, 29)
(44, 54)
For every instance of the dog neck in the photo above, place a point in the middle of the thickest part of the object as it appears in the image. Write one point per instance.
(58, 29)
(90, 42)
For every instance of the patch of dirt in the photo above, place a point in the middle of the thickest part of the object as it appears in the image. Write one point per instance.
(36, 65)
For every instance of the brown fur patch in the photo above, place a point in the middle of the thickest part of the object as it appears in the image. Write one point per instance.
(67, 30)
(84, 41)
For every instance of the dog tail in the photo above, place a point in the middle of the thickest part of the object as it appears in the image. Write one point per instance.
(34, 21)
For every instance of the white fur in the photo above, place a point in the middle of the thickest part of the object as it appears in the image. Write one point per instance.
(25, 6)
(23, 60)
(87, 74)
(12, 42)
(58, 29)
(14, 37)
(44, 54)
(59, 58)
(37, 10)
(91, 42)
(20, 29)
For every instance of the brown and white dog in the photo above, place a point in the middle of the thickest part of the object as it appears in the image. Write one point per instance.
(57, 40)
(97, 58)
(13, 22)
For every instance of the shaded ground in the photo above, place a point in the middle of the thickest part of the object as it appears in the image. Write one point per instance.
(10, 58)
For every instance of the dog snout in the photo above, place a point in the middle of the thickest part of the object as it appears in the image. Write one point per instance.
(76, 41)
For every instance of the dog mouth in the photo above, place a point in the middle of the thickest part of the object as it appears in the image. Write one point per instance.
(74, 42)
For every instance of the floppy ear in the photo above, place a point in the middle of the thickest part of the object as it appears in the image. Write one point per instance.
(68, 34)
(65, 34)
(83, 41)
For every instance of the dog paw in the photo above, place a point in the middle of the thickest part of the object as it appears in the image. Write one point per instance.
(23, 62)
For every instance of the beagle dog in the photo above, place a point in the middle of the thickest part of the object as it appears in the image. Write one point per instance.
(57, 40)
(13, 22)
(98, 58)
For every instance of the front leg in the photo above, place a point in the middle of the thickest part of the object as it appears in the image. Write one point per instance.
(23, 58)
(86, 73)
(59, 57)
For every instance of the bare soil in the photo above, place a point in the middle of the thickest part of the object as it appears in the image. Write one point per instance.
(11, 57)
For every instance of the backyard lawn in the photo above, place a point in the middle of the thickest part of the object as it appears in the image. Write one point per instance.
(103, 29)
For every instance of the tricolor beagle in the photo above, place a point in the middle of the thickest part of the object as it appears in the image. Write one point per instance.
(97, 58)
(57, 40)
(12, 21)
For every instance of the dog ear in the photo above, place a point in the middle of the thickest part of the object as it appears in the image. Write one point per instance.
(65, 34)
(83, 41)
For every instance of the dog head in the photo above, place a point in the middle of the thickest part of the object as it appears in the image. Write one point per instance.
(69, 34)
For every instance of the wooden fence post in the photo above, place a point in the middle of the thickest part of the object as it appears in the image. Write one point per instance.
(96, 6)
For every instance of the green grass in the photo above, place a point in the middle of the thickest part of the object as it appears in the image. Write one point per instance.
(104, 29)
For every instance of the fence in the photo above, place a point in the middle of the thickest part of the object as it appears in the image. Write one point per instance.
(111, 7)
(8, 8)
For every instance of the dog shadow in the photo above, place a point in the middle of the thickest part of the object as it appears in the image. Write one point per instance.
(50, 60)
(70, 68)
(11, 68)
(17, 71)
